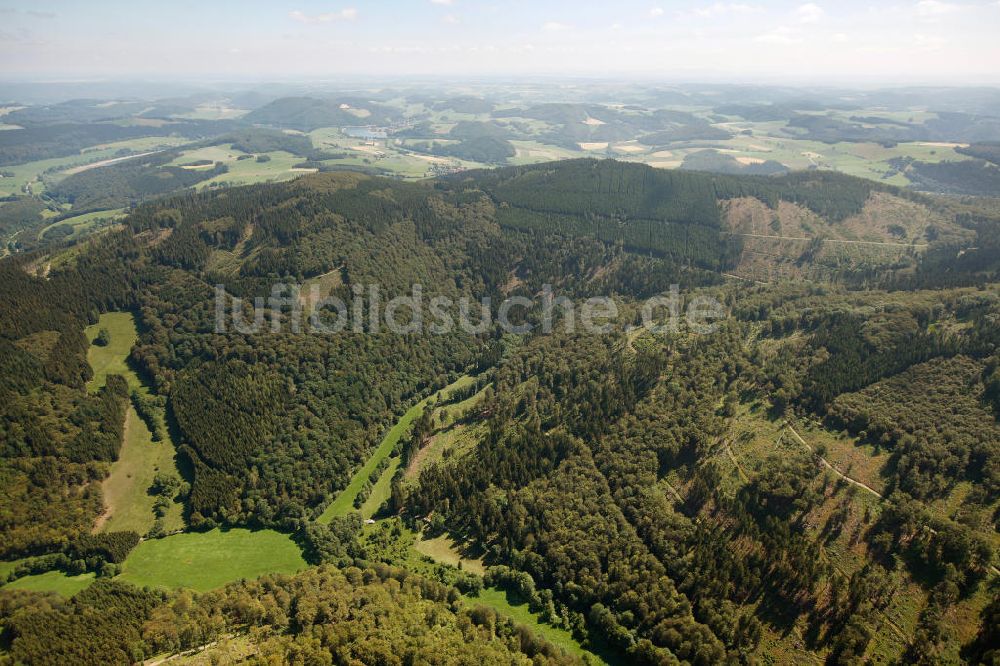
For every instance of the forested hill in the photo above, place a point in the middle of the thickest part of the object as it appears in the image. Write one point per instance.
(589, 227)
(822, 225)
(635, 191)
(624, 483)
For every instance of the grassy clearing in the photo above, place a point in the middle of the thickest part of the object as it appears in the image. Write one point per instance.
(322, 285)
(448, 413)
(381, 490)
(207, 560)
(425, 556)
(82, 223)
(242, 171)
(10, 565)
(53, 581)
(446, 550)
(501, 602)
(129, 505)
(126, 490)
(454, 440)
(451, 436)
(235, 649)
(31, 172)
(858, 461)
(344, 502)
(112, 358)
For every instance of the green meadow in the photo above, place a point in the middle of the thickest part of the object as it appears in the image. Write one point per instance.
(126, 489)
(206, 560)
(247, 171)
(112, 359)
(504, 604)
(344, 503)
(55, 168)
(82, 223)
(52, 581)
(30, 172)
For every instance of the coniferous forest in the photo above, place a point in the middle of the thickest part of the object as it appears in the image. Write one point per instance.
(818, 478)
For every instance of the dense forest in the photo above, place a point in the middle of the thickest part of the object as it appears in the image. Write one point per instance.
(326, 615)
(308, 113)
(43, 141)
(129, 182)
(823, 467)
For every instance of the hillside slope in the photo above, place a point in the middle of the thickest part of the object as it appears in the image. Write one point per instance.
(785, 487)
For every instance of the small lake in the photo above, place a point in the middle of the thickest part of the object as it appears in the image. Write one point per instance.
(369, 133)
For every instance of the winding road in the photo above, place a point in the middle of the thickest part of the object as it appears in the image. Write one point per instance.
(994, 570)
(830, 467)
(829, 240)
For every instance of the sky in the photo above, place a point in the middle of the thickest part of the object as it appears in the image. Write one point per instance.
(826, 41)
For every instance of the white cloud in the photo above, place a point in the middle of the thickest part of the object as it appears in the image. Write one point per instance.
(348, 14)
(555, 26)
(722, 9)
(441, 2)
(780, 35)
(656, 12)
(809, 13)
(451, 19)
(928, 9)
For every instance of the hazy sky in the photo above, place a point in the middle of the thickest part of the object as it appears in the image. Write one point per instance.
(845, 41)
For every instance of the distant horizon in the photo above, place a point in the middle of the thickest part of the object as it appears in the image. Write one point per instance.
(773, 42)
(369, 80)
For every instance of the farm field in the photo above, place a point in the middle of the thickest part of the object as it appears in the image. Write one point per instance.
(530, 152)
(37, 172)
(242, 171)
(30, 172)
(213, 112)
(206, 560)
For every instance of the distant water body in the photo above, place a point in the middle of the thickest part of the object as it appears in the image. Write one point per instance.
(365, 133)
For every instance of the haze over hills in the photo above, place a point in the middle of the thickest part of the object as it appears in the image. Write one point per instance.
(456, 333)
(70, 164)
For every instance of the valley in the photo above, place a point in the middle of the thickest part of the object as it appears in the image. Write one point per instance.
(461, 333)
(762, 491)
(146, 152)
